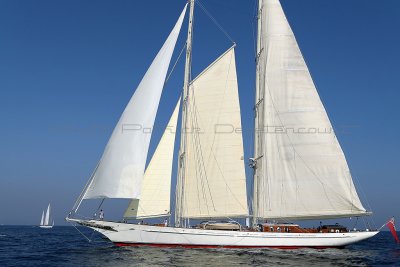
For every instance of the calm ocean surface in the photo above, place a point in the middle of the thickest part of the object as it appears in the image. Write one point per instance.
(64, 246)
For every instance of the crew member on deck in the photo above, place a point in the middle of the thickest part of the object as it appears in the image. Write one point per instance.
(101, 215)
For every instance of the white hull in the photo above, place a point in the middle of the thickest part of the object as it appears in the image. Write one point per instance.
(46, 226)
(124, 234)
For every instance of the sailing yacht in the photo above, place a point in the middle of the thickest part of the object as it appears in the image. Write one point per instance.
(45, 221)
(299, 169)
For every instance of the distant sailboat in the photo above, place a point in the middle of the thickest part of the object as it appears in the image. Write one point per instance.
(299, 172)
(45, 221)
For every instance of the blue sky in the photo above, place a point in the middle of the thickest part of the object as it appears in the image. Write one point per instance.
(68, 68)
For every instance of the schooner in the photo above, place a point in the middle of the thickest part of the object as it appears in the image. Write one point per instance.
(45, 220)
(299, 169)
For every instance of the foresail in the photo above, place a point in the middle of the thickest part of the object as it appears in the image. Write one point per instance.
(121, 168)
(304, 171)
(42, 220)
(215, 181)
(156, 187)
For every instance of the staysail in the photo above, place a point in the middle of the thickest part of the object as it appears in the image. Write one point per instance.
(215, 181)
(156, 187)
(42, 220)
(301, 169)
(120, 171)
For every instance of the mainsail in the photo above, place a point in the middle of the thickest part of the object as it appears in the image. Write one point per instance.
(47, 217)
(120, 171)
(156, 187)
(301, 170)
(215, 183)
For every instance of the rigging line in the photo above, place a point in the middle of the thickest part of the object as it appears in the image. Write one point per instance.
(201, 170)
(82, 233)
(252, 140)
(212, 154)
(192, 146)
(200, 149)
(263, 142)
(364, 196)
(101, 203)
(83, 193)
(91, 236)
(198, 171)
(295, 151)
(365, 223)
(214, 21)
(253, 27)
(83, 216)
(324, 185)
(229, 188)
(299, 155)
(178, 188)
(262, 177)
(359, 185)
(199, 146)
(177, 200)
(222, 102)
(355, 224)
(176, 62)
(260, 173)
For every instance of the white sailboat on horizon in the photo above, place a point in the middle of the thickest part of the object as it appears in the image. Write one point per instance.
(297, 175)
(45, 220)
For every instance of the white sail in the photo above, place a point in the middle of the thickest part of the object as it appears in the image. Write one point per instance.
(47, 217)
(42, 220)
(304, 172)
(215, 181)
(156, 187)
(120, 170)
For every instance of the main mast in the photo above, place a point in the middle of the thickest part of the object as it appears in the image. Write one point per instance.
(256, 163)
(182, 151)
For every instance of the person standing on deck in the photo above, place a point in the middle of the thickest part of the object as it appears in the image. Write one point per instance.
(101, 215)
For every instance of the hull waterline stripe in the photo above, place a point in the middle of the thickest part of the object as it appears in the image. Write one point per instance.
(122, 244)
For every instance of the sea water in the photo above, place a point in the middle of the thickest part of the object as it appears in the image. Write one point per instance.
(65, 246)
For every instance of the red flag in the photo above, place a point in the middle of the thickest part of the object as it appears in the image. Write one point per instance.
(390, 225)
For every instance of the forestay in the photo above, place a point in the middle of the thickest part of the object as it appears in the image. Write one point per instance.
(215, 181)
(121, 168)
(156, 187)
(306, 174)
